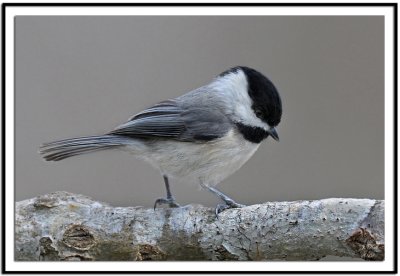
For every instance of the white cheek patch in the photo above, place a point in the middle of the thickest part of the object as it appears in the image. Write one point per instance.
(233, 87)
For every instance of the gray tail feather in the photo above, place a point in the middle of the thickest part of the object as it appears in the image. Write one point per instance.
(58, 150)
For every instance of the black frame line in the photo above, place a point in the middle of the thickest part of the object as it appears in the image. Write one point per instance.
(3, 124)
(85, 4)
(198, 4)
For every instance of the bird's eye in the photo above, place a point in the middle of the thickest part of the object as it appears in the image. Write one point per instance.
(258, 113)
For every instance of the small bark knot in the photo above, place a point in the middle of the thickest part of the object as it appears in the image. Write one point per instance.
(365, 245)
(47, 251)
(148, 252)
(78, 237)
(45, 201)
(76, 257)
(222, 254)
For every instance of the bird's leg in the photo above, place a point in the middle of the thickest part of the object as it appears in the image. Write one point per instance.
(170, 200)
(229, 202)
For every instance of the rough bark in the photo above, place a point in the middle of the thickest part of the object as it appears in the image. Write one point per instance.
(65, 226)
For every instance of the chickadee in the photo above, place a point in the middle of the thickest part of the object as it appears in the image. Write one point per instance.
(204, 135)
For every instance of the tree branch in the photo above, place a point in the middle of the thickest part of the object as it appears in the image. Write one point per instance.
(65, 226)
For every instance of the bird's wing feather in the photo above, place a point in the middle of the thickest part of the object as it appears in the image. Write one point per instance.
(171, 120)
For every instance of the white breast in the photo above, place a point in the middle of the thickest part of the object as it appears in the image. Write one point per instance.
(209, 162)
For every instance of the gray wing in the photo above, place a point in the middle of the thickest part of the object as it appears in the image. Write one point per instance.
(171, 120)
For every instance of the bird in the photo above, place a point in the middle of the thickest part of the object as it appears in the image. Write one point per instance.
(204, 135)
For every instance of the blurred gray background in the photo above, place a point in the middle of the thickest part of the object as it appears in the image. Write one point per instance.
(79, 76)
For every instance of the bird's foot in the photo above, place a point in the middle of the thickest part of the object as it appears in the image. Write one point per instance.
(229, 203)
(170, 201)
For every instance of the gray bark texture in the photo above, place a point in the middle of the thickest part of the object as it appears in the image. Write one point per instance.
(62, 226)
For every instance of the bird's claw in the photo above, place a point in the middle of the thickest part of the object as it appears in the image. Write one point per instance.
(228, 205)
(170, 201)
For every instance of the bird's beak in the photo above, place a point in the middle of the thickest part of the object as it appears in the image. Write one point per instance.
(273, 133)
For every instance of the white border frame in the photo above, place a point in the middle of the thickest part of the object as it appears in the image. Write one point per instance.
(387, 265)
